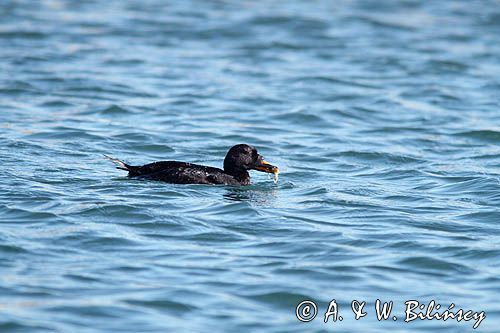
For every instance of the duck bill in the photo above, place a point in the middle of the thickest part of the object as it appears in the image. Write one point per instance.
(266, 167)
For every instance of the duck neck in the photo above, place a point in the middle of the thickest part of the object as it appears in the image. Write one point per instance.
(240, 175)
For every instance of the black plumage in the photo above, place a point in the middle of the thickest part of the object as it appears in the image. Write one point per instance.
(238, 161)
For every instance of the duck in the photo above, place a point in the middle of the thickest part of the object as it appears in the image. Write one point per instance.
(238, 161)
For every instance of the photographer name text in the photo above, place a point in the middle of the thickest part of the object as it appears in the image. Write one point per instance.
(307, 311)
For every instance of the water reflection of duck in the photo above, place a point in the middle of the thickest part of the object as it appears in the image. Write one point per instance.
(238, 161)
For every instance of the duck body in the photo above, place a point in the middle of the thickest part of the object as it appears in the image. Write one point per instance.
(176, 172)
(238, 161)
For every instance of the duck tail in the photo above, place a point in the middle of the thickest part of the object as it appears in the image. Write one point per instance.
(121, 165)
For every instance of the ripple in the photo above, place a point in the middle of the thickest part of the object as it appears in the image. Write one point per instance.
(375, 157)
(62, 132)
(22, 34)
(303, 119)
(434, 265)
(168, 305)
(382, 117)
(114, 110)
(481, 135)
(281, 299)
(11, 249)
(15, 326)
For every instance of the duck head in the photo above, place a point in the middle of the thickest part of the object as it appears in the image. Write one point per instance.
(241, 158)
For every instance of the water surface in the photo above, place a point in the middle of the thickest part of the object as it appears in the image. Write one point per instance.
(383, 118)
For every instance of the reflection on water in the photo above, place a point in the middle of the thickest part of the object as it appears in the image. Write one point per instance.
(259, 194)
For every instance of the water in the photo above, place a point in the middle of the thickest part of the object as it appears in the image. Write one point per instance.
(382, 116)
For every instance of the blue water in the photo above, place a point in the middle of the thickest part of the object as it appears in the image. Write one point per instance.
(383, 116)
